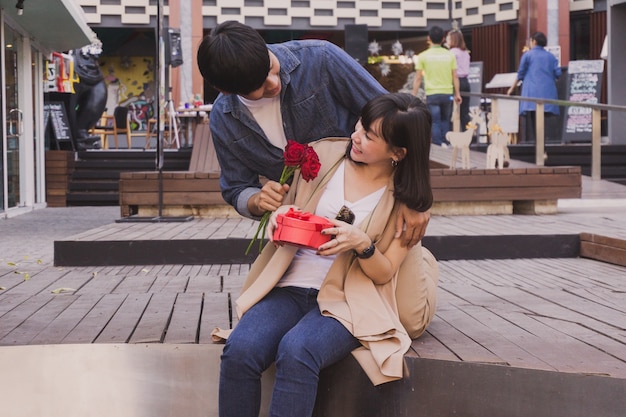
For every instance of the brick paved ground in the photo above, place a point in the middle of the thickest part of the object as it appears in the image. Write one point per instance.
(30, 237)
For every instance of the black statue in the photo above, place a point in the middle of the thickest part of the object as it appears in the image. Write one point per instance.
(90, 96)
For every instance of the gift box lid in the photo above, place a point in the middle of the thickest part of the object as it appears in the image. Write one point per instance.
(301, 229)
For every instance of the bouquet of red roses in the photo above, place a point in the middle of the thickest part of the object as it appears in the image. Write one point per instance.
(296, 156)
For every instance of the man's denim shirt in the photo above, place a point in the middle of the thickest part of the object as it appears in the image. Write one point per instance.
(323, 91)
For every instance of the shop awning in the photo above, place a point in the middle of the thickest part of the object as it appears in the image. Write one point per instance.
(58, 25)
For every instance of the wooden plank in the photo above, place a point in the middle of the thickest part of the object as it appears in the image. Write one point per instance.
(56, 155)
(71, 281)
(566, 306)
(459, 344)
(101, 284)
(510, 194)
(185, 321)
(615, 358)
(603, 240)
(136, 284)
(503, 338)
(428, 347)
(205, 283)
(227, 230)
(604, 249)
(501, 180)
(191, 184)
(36, 322)
(69, 318)
(56, 201)
(121, 326)
(200, 147)
(232, 283)
(56, 192)
(174, 231)
(171, 284)
(215, 313)
(90, 327)
(36, 284)
(604, 296)
(154, 321)
(173, 198)
(22, 312)
(558, 349)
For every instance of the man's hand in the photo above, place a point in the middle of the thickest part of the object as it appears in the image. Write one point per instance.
(415, 222)
(268, 199)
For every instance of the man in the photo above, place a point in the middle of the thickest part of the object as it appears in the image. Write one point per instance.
(299, 90)
(437, 67)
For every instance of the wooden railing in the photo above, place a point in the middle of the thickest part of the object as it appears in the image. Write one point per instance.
(596, 160)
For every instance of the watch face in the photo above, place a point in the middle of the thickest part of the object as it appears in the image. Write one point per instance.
(368, 252)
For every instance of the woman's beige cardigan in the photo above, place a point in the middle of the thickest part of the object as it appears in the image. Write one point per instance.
(369, 311)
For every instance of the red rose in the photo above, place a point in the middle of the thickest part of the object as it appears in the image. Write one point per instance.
(294, 153)
(311, 165)
(296, 156)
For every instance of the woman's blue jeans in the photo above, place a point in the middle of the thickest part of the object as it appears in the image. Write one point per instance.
(285, 327)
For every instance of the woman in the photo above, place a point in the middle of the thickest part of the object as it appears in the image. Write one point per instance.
(538, 70)
(306, 309)
(456, 43)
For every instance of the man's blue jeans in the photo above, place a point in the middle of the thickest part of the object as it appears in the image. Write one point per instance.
(440, 106)
(285, 327)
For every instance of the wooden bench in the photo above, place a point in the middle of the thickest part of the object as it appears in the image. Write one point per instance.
(521, 189)
(193, 192)
(529, 190)
(603, 248)
(59, 169)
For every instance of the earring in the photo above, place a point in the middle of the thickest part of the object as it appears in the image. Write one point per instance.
(394, 163)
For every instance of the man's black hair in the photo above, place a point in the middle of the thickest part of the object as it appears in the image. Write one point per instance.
(540, 38)
(436, 35)
(234, 58)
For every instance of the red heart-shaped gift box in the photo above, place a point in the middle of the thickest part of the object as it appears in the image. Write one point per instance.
(301, 229)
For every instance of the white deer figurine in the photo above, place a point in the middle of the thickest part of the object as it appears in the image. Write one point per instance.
(476, 115)
(461, 140)
(498, 151)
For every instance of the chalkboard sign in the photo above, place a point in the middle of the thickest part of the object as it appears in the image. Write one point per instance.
(57, 123)
(584, 79)
(475, 79)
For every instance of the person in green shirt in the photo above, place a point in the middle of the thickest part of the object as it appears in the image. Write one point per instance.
(437, 67)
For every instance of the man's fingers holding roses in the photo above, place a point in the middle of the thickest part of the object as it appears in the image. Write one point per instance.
(271, 196)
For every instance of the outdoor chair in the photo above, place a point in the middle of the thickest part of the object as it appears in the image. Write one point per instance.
(103, 128)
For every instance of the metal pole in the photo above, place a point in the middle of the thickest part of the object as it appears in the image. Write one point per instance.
(540, 135)
(596, 149)
(159, 76)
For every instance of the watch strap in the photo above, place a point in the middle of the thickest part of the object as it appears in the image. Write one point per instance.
(367, 252)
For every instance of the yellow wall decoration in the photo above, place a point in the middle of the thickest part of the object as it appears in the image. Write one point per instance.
(130, 83)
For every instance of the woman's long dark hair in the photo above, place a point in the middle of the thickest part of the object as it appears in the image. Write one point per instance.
(405, 123)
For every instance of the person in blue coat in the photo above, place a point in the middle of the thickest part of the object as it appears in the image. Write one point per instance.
(538, 72)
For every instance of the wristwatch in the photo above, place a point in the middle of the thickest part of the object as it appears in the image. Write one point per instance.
(367, 253)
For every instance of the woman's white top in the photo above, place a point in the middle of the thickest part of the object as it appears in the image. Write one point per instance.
(308, 269)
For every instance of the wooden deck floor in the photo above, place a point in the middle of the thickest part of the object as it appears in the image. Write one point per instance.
(564, 314)
(505, 329)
